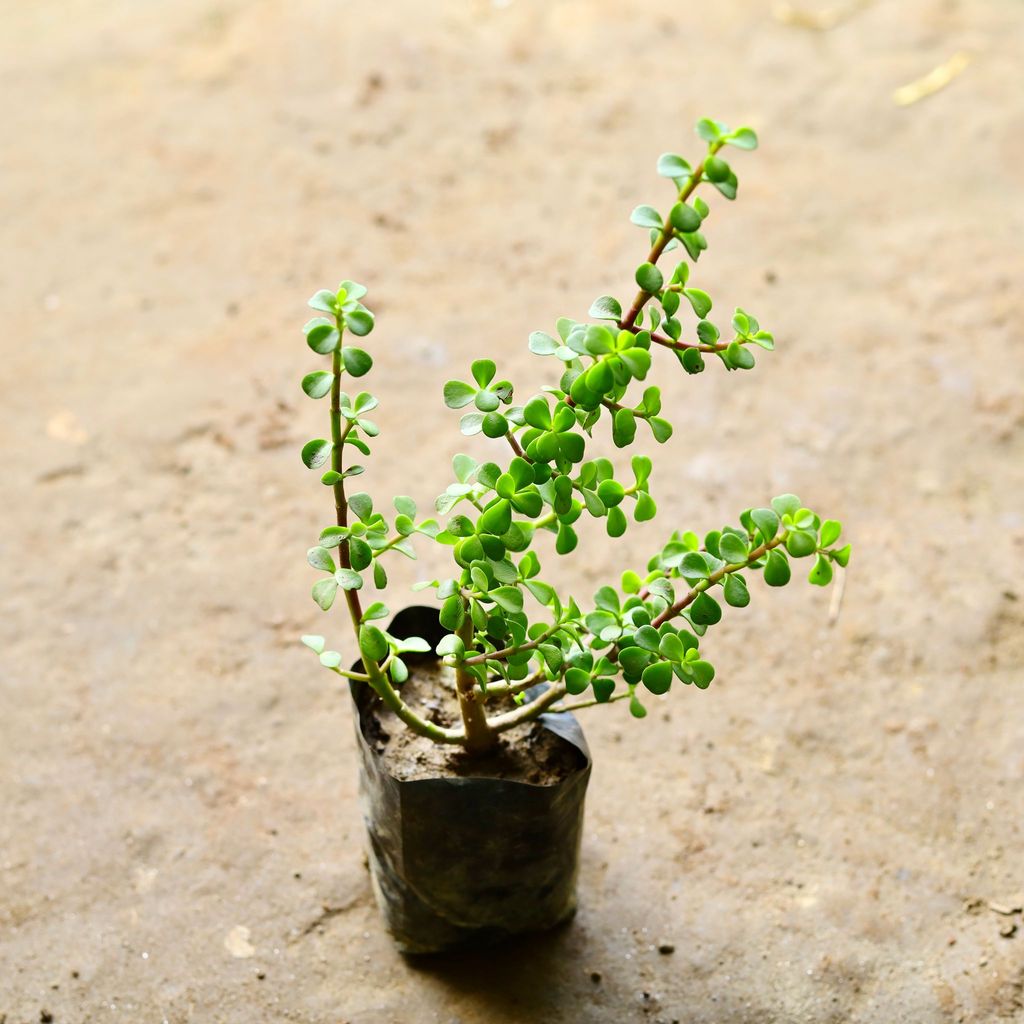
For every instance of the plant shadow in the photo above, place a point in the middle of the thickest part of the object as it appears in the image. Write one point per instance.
(529, 977)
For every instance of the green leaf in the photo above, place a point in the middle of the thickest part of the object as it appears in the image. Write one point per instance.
(323, 339)
(703, 673)
(727, 187)
(453, 613)
(483, 371)
(821, 573)
(377, 610)
(623, 429)
(658, 677)
(405, 505)
(684, 218)
(576, 681)
(494, 425)
(671, 165)
(842, 556)
(348, 579)
(694, 566)
(324, 591)
(646, 217)
(786, 504)
(451, 644)
(412, 645)
(636, 709)
(766, 521)
(317, 384)
(743, 138)
(739, 357)
(638, 362)
(537, 414)
(373, 643)
(330, 659)
(801, 543)
(649, 278)
(660, 428)
(732, 548)
(314, 643)
(716, 169)
(316, 452)
(357, 362)
(606, 308)
(458, 394)
(496, 518)
(566, 540)
(707, 332)
(671, 647)
(362, 504)
(634, 660)
(735, 590)
(543, 344)
(692, 360)
(359, 322)
(646, 508)
(705, 610)
(700, 300)
(776, 570)
(710, 131)
(323, 300)
(320, 558)
(830, 531)
(380, 575)
(508, 598)
(616, 522)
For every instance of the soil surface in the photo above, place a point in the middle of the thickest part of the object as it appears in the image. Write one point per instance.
(525, 753)
(833, 831)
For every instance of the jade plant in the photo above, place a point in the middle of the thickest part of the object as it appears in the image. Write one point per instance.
(509, 630)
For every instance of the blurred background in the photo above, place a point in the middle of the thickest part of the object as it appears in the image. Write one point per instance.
(832, 832)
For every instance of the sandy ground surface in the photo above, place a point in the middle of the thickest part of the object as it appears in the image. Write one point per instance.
(819, 835)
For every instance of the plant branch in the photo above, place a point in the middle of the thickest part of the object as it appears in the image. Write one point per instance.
(530, 645)
(478, 735)
(667, 233)
(688, 598)
(682, 346)
(338, 435)
(527, 712)
(588, 703)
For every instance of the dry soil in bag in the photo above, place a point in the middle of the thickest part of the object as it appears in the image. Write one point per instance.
(457, 859)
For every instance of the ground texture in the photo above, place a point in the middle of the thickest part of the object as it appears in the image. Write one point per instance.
(818, 836)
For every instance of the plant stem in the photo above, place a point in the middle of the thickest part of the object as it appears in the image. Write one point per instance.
(478, 735)
(375, 677)
(759, 552)
(700, 346)
(355, 609)
(667, 233)
(527, 712)
(480, 659)
(588, 703)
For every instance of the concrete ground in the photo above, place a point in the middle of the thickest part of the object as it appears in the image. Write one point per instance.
(831, 832)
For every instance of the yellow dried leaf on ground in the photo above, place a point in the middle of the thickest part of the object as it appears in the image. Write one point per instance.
(936, 79)
(818, 21)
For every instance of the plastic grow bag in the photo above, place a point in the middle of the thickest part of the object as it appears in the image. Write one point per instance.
(457, 859)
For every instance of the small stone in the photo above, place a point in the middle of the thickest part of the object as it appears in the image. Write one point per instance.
(595, 977)
(666, 948)
(1008, 930)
